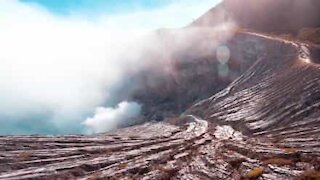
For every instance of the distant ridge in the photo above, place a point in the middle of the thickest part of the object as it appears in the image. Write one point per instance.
(276, 16)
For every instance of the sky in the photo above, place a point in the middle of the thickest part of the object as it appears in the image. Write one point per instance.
(65, 7)
(62, 62)
(179, 12)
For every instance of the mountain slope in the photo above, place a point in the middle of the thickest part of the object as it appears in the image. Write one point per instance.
(269, 16)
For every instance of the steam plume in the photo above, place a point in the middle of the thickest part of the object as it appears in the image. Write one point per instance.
(106, 119)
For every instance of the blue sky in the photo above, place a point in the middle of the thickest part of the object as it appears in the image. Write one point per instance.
(64, 7)
(148, 14)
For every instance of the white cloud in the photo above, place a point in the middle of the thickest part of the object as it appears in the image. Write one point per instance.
(65, 67)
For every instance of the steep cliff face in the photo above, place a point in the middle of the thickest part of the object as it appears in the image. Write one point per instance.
(191, 72)
(198, 62)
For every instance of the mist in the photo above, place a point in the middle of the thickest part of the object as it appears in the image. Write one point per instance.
(62, 75)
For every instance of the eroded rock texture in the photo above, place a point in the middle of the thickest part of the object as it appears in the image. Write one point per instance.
(264, 125)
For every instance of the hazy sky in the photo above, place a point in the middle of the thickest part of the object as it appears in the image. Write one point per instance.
(61, 61)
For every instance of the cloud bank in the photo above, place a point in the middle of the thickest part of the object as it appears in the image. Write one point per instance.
(55, 71)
